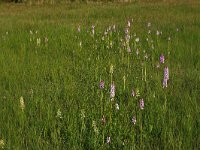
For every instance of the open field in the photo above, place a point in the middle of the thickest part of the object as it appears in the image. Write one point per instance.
(100, 76)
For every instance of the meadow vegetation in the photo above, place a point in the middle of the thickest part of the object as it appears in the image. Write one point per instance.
(100, 75)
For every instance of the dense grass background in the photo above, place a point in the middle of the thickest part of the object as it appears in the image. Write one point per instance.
(61, 75)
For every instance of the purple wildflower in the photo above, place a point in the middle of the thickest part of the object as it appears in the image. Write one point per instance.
(164, 83)
(101, 84)
(141, 103)
(166, 73)
(133, 93)
(162, 59)
(112, 90)
(166, 77)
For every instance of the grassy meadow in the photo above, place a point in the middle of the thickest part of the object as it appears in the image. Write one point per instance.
(100, 76)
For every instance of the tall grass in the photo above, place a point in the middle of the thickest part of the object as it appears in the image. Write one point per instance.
(54, 58)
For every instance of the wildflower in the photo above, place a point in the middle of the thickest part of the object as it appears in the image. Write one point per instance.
(137, 39)
(166, 73)
(149, 24)
(82, 114)
(112, 90)
(79, 29)
(137, 51)
(164, 83)
(162, 59)
(169, 38)
(149, 32)
(158, 65)
(2, 143)
(141, 103)
(126, 31)
(133, 93)
(108, 140)
(22, 105)
(80, 44)
(117, 106)
(166, 77)
(177, 29)
(129, 24)
(114, 27)
(103, 120)
(134, 120)
(46, 40)
(38, 41)
(31, 32)
(94, 125)
(101, 84)
(146, 56)
(93, 29)
(157, 32)
(128, 37)
(59, 114)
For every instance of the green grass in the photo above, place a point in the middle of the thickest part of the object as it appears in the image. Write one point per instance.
(61, 75)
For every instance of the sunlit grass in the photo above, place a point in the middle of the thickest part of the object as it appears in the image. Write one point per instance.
(72, 78)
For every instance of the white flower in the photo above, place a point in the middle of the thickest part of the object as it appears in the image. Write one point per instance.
(2, 143)
(46, 40)
(129, 23)
(149, 24)
(134, 120)
(137, 39)
(79, 29)
(117, 106)
(82, 114)
(157, 32)
(31, 32)
(108, 140)
(94, 125)
(111, 69)
(38, 41)
(59, 114)
(22, 105)
(137, 51)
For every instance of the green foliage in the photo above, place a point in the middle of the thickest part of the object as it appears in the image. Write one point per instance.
(50, 74)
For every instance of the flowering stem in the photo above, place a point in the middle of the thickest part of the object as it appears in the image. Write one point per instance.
(101, 101)
(145, 73)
